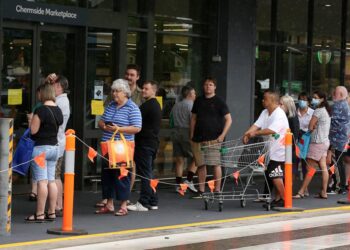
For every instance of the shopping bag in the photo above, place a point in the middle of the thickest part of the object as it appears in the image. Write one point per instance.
(120, 152)
(23, 154)
(303, 144)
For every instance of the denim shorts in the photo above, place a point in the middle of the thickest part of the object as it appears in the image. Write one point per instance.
(51, 156)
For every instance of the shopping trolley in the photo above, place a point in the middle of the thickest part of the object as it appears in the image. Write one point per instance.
(248, 159)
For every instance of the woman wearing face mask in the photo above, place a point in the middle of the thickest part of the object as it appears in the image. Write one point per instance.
(304, 115)
(319, 126)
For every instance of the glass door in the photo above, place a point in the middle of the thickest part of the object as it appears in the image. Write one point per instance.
(16, 77)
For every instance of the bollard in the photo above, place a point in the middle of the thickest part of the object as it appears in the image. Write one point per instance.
(6, 148)
(288, 177)
(346, 201)
(68, 202)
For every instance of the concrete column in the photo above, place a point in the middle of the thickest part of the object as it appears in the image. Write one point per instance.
(236, 71)
(6, 144)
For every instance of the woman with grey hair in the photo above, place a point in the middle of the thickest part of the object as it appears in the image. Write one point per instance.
(124, 116)
(288, 105)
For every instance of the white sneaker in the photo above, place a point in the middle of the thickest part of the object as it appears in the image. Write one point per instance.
(190, 186)
(137, 207)
(153, 208)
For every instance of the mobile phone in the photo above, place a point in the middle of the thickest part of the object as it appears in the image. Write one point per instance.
(109, 124)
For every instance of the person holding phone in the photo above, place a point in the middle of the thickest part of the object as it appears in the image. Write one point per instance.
(124, 116)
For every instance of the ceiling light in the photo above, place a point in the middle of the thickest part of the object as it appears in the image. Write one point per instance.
(327, 5)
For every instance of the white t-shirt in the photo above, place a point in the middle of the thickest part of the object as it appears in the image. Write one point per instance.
(278, 123)
(304, 119)
(63, 103)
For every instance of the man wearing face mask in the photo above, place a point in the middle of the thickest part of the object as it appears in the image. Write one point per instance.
(304, 115)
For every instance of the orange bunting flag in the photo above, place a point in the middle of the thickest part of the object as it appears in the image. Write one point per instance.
(347, 146)
(40, 160)
(261, 160)
(123, 173)
(154, 183)
(236, 175)
(332, 169)
(92, 154)
(297, 151)
(183, 188)
(311, 172)
(104, 148)
(211, 185)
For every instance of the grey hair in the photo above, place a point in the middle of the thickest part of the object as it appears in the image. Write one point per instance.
(343, 92)
(121, 85)
(288, 102)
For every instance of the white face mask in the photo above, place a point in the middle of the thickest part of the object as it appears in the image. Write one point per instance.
(315, 102)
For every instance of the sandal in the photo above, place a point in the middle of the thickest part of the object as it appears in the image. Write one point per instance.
(32, 196)
(298, 196)
(50, 217)
(319, 196)
(121, 212)
(104, 210)
(100, 204)
(34, 218)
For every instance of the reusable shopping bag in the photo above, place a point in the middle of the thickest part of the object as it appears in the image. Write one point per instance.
(120, 152)
(23, 154)
(303, 144)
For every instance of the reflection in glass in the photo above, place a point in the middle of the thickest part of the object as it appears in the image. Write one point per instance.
(101, 4)
(263, 20)
(16, 77)
(325, 70)
(262, 76)
(327, 23)
(60, 2)
(290, 29)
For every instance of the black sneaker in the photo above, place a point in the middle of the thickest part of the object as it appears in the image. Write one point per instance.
(274, 203)
(330, 190)
(341, 191)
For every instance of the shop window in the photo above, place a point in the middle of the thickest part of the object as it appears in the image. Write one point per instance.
(102, 4)
(16, 77)
(325, 70)
(263, 20)
(136, 50)
(292, 21)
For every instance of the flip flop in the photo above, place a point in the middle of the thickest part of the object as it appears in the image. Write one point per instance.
(100, 204)
(319, 196)
(34, 218)
(299, 196)
(121, 212)
(104, 210)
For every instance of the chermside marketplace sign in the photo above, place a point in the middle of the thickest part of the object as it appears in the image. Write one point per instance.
(46, 13)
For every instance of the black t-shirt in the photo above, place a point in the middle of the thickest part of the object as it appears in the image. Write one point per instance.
(210, 118)
(49, 123)
(151, 119)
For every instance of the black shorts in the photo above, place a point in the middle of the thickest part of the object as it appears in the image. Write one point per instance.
(275, 169)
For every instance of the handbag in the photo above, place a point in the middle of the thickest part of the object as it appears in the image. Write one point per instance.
(303, 144)
(120, 152)
(23, 154)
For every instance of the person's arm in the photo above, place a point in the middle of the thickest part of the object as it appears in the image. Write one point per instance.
(313, 123)
(192, 125)
(228, 122)
(249, 133)
(35, 124)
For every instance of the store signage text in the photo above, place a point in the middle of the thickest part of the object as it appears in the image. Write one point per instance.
(46, 12)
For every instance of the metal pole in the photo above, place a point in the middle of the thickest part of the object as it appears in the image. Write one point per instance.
(6, 147)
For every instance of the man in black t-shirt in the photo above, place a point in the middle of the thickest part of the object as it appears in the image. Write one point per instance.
(146, 146)
(210, 122)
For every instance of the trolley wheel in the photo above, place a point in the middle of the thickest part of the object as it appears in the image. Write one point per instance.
(205, 204)
(268, 206)
(220, 206)
(243, 203)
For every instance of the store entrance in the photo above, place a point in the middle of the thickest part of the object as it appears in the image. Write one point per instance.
(29, 54)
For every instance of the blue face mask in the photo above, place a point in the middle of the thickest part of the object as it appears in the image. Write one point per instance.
(315, 102)
(302, 104)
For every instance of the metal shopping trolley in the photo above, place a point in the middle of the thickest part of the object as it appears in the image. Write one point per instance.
(248, 160)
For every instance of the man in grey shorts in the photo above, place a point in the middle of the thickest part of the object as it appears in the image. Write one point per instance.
(181, 114)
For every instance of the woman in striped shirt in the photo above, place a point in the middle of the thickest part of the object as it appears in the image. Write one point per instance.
(121, 114)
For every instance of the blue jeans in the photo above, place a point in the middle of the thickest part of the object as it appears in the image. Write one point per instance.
(144, 157)
(51, 156)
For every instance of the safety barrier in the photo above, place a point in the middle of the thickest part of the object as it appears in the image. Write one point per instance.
(288, 177)
(68, 202)
(6, 148)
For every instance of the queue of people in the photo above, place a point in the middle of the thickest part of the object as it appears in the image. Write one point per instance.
(197, 122)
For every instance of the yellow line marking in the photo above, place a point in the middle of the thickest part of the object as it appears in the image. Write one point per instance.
(141, 230)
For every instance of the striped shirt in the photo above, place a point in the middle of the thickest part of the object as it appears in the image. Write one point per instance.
(127, 115)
